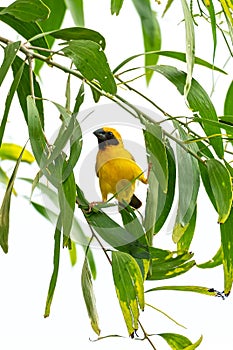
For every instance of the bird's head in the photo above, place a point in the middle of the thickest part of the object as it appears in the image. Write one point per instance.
(107, 137)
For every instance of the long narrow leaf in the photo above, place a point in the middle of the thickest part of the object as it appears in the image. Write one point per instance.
(215, 261)
(220, 182)
(180, 56)
(227, 252)
(151, 33)
(129, 288)
(13, 88)
(195, 98)
(9, 55)
(89, 297)
(5, 208)
(56, 259)
(228, 104)
(77, 11)
(23, 89)
(116, 6)
(190, 46)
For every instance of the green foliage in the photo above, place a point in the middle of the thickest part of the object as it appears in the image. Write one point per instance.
(197, 150)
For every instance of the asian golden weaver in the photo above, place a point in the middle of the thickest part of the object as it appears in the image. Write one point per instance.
(116, 168)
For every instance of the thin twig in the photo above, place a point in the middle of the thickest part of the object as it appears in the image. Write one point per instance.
(146, 336)
(100, 243)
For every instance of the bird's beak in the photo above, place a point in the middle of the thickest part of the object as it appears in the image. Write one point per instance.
(100, 134)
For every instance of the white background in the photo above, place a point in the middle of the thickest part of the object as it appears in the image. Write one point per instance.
(26, 270)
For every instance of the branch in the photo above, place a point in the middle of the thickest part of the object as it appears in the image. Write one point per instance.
(117, 99)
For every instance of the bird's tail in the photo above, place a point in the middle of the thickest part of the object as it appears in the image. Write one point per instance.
(135, 202)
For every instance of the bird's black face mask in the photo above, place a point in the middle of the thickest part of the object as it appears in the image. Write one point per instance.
(105, 138)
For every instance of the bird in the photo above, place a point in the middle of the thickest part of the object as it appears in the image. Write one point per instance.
(116, 168)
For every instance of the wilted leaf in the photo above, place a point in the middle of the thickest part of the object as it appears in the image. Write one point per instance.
(220, 182)
(89, 297)
(129, 288)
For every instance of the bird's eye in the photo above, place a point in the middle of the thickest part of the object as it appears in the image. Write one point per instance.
(110, 133)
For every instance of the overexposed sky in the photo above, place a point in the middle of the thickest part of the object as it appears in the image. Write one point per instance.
(26, 269)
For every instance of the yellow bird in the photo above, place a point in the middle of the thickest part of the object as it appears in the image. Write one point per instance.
(116, 168)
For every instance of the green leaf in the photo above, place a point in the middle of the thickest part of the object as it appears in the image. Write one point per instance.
(132, 224)
(199, 102)
(57, 13)
(116, 6)
(5, 208)
(165, 200)
(79, 99)
(9, 55)
(67, 199)
(129, 288)
(194, 289)
(151, 33)
(190, 46)
(23, 89)
(168, 5)
(211, 10)
(171, 266)
(181, 56)
(206, 182)
(27, 31)
(12, 151)
(56, 259)
(179, 342)
(215, 261)
(10, 95)
(184, 242)
(151, 207)
(27, 10)
(228, 104)
(78, 33)
(89, 297)
(76, 10)
(155, 146)
(37, 138)
(189, 182)
(227, 252)
(91, 61)
(220, 182)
